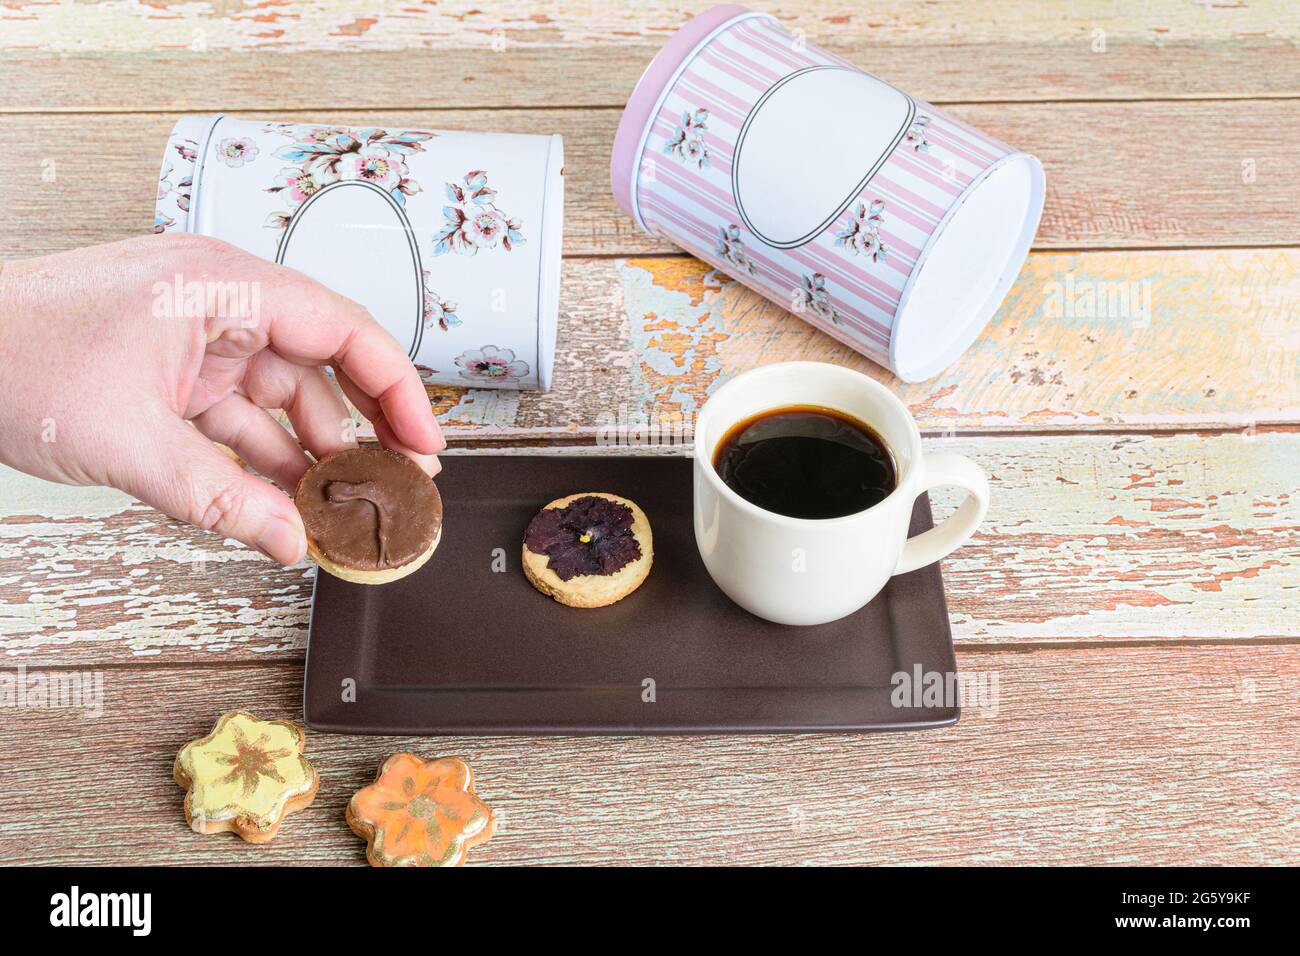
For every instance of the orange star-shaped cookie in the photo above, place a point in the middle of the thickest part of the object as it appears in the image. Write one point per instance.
(420, 813)
(246, 776)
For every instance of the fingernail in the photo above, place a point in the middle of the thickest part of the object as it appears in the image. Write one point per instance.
(282, 540)
(429, 463)
(440, 441)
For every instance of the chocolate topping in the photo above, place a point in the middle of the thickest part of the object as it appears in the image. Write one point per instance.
(369, 508)
(589, 535)
(340, 492)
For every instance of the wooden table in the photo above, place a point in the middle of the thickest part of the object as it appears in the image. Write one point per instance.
(1135, 587)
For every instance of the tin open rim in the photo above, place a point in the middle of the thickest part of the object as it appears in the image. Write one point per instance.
(196, 128)
(948, 344)
(552, 262)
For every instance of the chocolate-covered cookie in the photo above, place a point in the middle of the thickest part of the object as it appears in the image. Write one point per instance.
(588, 550)
(371, 515)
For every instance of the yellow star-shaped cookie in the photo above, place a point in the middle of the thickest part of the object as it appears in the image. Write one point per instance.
(246, 776)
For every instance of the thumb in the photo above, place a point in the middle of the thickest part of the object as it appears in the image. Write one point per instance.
(189, 478)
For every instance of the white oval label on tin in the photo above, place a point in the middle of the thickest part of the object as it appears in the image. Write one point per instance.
(809, 146)
(355, 239)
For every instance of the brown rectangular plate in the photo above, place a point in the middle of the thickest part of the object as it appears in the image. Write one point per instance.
(466, 646)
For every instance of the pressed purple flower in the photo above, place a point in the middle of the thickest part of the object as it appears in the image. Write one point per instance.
(590, 535)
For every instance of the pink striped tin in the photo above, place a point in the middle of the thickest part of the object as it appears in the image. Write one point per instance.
(879, 219)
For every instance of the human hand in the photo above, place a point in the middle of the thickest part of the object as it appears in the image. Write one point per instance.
(104, 375)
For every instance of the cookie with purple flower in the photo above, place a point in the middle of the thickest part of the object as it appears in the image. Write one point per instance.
(589, 549)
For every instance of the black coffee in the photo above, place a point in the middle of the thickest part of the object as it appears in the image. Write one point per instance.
(806, 461)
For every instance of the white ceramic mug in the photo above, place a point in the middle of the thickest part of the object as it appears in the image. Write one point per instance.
(802, 571)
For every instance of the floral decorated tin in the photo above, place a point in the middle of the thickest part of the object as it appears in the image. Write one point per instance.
(451, 240)
(881, 220)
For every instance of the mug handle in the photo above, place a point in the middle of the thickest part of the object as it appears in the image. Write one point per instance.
(947, 469)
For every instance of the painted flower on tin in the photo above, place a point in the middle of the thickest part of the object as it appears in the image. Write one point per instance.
(862, 236)
(730, 248)
(236, 151)
(321, 155)
(438, 311)
(815, 298)
(491, 364)
(375, 165)
(916, 134)
(298, 184)
(175, 196)
(179, 194)
(687, 142)
(473, 220)
(180, 190)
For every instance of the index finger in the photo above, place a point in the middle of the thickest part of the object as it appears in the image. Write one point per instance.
(309, 324)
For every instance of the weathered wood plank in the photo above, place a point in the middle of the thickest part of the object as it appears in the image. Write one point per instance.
(1089, 539)
(113, 190)
(1114, 178)
(1134, 340)
(163, 55)
(1088, 758)
(327, 25)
